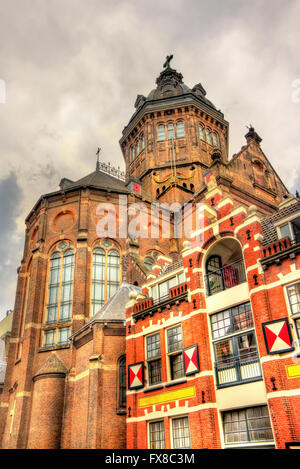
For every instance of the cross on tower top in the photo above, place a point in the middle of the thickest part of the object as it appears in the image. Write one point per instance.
(98, 163)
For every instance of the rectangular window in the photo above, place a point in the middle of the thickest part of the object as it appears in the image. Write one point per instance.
(294, 297)
(236, 355)
(231, 320)
(247, 425)
(157, 435)
(49, 338)
(285, 231)
(63, 336)
(174, 348)
(56, 337)
(154, 359)
(161, 291)
(181, 433)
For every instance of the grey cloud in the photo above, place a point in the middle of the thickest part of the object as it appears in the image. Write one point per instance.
(11, 244)
(73, 70)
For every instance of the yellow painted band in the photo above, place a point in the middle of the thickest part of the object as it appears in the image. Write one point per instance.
(293, 371)
(178, 394)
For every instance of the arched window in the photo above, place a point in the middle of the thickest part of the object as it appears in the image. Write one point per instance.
(161, 132)
(214, 275)
(98, 281)
(60, 286)
(106, 274)
(131, 153)
(208, 136)
(67, 286)
(170, 131)
(149, 261)
(60, 296)
(180, 129)
(137, 148)
(201, 132)
(122, 383)
(215, 140)
(142, 142)
(113, 272)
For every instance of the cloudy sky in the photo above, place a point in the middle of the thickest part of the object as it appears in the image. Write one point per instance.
(72, 70)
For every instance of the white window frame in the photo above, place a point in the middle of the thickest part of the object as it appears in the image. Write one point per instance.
(172, 432)
(169, 354)
(147, 360)
(148, 431)
(286, 221)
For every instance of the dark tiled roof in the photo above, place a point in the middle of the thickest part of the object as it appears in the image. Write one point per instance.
(100, 180)
(114, 308)
(268, 228)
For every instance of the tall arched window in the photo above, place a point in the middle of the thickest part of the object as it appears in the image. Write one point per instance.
(98, 282)
(122, 383)
(208, 136)
(201, 132)
(113, 272)
(106, 274)
(60, 297)
(131, 153)
(170, 131)
(180, 129)
(60, 287)
(137, 148)
(215, 139)
(142, 142)
(161, 132)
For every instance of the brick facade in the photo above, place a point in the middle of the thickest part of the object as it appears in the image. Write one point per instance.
(65, 393)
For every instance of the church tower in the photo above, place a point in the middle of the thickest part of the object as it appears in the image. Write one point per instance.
(170, 139)
(177, 135)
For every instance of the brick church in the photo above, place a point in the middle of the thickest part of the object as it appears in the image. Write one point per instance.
(137, 340)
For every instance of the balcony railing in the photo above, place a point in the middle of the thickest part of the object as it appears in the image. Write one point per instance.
(149, 305)
(236, 370)
(276, 247)
(229, 276)
(281, 249)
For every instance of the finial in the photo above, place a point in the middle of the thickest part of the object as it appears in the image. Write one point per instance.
(168, 60)
(98, 163)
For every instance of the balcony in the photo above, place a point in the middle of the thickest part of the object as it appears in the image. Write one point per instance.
(238, 370)
(276, 252)
(149, 306)
(228, 276)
